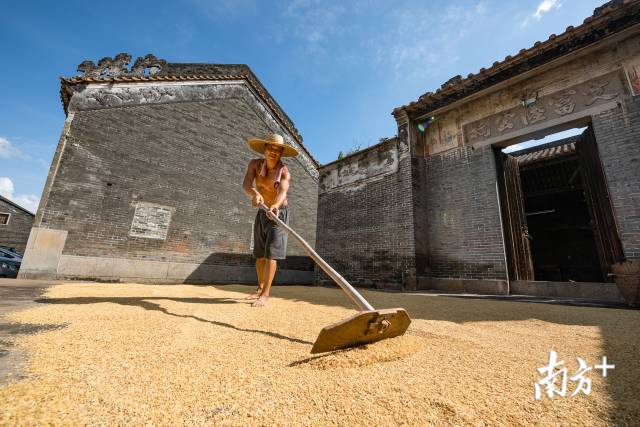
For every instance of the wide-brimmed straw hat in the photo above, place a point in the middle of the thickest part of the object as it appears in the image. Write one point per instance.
(258, 145)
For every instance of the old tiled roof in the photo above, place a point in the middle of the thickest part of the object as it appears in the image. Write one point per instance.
(14, 204)
(183, 72)
(608, 19)
(547, 153)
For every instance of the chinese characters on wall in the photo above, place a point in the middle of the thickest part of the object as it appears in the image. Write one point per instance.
(568, 101)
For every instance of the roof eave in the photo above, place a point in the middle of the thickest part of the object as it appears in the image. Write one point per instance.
(14, 204)
(429, 101)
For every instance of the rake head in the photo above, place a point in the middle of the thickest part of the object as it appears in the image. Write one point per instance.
(362, 328)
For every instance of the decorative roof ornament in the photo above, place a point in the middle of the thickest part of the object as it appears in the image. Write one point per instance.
(150, 62)
(610, 5)
(451, 82)
(118, 66)
(88, 69)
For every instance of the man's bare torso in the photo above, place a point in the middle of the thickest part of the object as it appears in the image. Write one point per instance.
(265, 184)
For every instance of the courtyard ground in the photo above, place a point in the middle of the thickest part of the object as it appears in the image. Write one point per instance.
(178, 354)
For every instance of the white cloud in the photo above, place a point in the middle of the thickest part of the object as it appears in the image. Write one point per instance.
(544, 7)
(28, 201)
(9, 151)
(6, 187)
(424, 42)
(312, 21)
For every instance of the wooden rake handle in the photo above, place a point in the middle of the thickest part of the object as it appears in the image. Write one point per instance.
(354, 295)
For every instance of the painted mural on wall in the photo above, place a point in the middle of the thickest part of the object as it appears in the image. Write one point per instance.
(540, 109)
(370, 165)
(632, 69)
(443, 134)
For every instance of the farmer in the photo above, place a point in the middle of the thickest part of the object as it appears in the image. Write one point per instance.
(272, 180)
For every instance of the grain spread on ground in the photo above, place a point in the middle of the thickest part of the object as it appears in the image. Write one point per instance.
(178, 354)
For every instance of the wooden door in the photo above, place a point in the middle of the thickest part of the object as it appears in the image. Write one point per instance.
(596, 193)
(514, 219)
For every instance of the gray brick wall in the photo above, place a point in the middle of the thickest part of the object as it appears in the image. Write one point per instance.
(420, 215)
(189, 156)
(618, 137)
(459, 207)
(16, 233)
(365, 228)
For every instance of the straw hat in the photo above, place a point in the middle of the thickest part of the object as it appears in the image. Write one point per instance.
(258, 145)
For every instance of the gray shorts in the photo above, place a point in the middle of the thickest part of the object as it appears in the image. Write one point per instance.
(269, 240)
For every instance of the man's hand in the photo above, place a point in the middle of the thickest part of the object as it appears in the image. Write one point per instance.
(257, 199)
(273, 212)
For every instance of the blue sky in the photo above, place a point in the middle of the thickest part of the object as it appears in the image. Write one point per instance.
(338, 68)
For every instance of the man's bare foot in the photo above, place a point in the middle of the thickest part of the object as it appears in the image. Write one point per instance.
(254, 295)
(261, 302)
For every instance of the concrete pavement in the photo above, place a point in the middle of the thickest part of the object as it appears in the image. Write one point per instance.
(16, 294)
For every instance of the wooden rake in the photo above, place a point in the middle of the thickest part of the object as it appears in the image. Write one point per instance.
(367, 326)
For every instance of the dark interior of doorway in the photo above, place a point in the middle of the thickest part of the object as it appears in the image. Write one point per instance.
(557, 217)
(563, 246)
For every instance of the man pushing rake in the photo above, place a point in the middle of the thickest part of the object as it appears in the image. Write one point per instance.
(270, 230)
(272, 180)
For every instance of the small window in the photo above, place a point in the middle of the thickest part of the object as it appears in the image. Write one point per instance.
(4, 218)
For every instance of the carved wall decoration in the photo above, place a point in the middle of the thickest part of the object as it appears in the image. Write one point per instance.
(480, 130)
(557, 105)
(564, 103)
(403, 135)
(506, 122)
(116, 96)
(598, 91)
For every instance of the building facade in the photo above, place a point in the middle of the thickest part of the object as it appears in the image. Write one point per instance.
(146, 181)
(15, 225)
(443, 207)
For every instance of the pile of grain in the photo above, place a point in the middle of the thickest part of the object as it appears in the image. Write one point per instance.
(137, 354)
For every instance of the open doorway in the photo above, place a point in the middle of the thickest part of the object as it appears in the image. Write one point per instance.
(558, 221)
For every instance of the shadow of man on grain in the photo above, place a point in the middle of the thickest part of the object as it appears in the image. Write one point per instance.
(145, 302)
